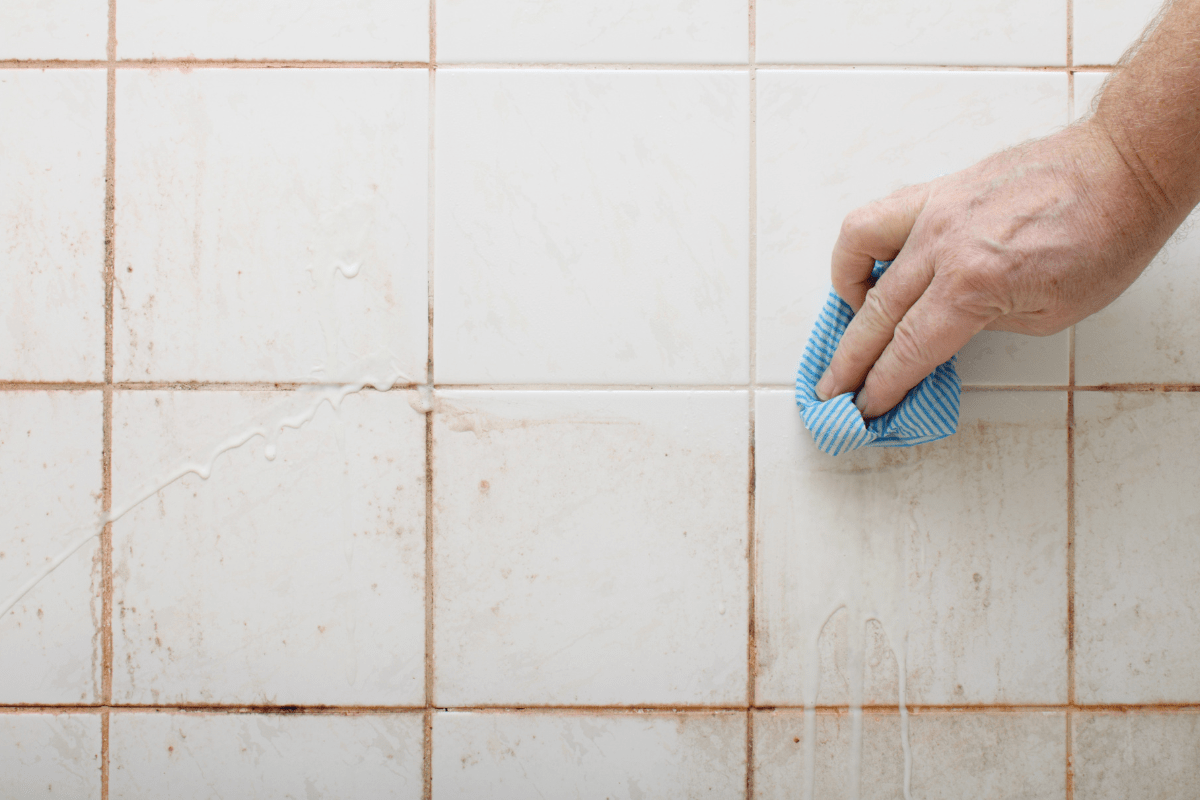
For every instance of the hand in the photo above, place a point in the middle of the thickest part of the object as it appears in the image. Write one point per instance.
(1031, 240)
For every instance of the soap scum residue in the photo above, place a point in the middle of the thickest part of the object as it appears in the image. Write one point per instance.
(347, 228)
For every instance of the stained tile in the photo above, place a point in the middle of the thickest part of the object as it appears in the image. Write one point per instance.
(950, 555)
(1137, 636)
(50, 755)
(336, 30)
(953, 755)
(1150, 334)
(245, 202)
(922, 125)
(1000, 32)
(590, 547)
(188, 756)
(298, 580)
(592, 756)
(591, 227)
(50, 491)
(1104, 29)
(52, 224)
(1136, 755)
(37, 29)
(578, 31)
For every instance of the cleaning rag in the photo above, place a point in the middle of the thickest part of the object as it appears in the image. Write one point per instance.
(928, 412)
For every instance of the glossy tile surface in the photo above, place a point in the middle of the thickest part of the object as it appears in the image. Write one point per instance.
(1105, 29)
(189, 756)
(297, 580)
(1137, 633)
(602, 31)
(44, 29)
(597, 233)
(239, 194)
(957, 548)
(600, 756)
(50, 487)
(953, 755)
(50, 755)
(1136, 755)
(922, 125)
(52, 224)
(999, 32)
(590, 547)
(338, 30)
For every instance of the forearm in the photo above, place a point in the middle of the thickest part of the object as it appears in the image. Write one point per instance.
(1150, 112)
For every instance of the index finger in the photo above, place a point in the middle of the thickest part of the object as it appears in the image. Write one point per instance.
(874, 232)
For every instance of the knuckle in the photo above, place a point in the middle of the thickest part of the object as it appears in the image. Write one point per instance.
(909, 348)
(876, 311)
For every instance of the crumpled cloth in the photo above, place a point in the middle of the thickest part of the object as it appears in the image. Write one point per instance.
(928, 412)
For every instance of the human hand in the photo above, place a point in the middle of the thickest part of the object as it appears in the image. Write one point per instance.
(1031, 240)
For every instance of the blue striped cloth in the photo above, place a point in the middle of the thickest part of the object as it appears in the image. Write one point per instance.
(928, 412)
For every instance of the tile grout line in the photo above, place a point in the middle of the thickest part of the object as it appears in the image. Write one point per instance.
(751, 498)
(427, 715)
(106, 553)
(1068, 720)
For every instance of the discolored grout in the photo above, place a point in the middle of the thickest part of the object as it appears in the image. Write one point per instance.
(751, 498)
(427, 716)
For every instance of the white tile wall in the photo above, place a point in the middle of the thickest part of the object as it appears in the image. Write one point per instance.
(614, 757)
(50, 485)
(189, 756)
(876, 132)
(590, 548)
(999, 32)
(604, 31)
(50, 755)
(592, 227)
(362, 30)
(246, 188)
(52, 224)
(1136, 755)
(299, 580)
(52, 29)
(1104, 29)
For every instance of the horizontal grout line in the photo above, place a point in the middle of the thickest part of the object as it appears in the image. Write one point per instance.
(283, 710)
(210, 63)
(292, 386)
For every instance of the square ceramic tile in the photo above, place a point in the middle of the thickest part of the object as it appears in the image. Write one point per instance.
(1145, 754)
(1150, 334)
(1137, 635)
(589, 756)
(592, 227)
(819, 159)
(294, 579)
(50, 755)
(46, 29)
(271, 224)
(590, 547)
(1105, 29)
(50, 490)
(955, 550)
(955, 755)
(52, 224)
(1002, 32)
(185, 756)
(604, 31)
(336, 30)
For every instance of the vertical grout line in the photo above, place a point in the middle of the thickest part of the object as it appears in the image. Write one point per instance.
(106, 637)
(427, 717)
(1071, 700)
(751, 530)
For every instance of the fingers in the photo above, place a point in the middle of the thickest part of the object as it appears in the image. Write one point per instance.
(870, 233)
(873, 327)
(934, 329)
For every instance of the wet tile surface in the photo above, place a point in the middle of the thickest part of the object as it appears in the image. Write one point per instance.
(608, 204)
(953, 755)
(52, 224)
(614, 757)
(50, 755)
(249, 189)
(50, 488)
(297, 580)
(192, 755)
(922, 125)
(1137, 636)
(1136, 755)
(957, 548)
(590, 547)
